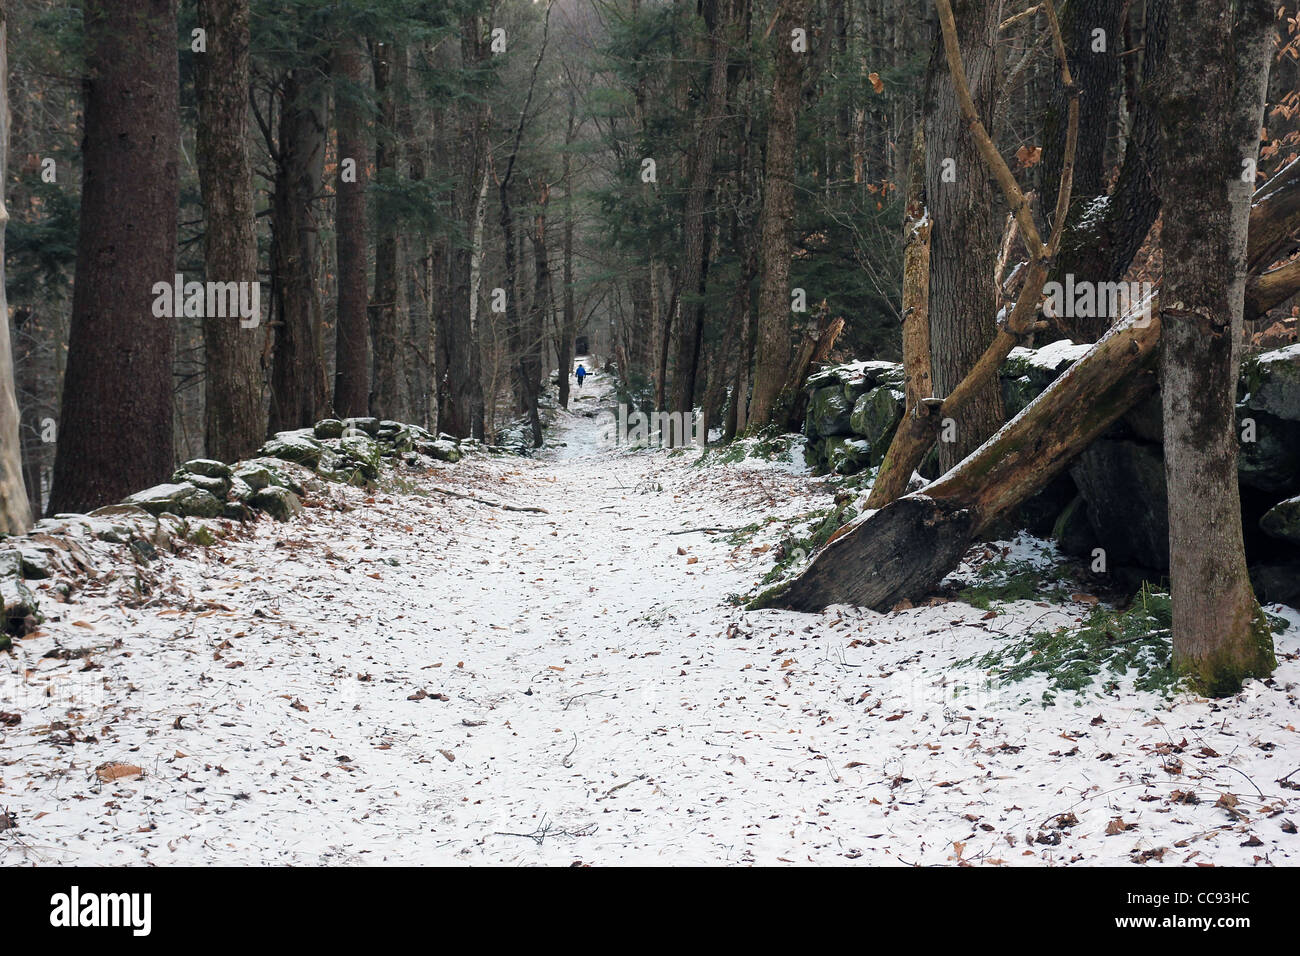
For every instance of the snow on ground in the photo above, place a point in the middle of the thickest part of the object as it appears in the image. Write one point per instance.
(405, 677)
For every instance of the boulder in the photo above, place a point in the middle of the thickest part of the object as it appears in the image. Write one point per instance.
(442, 450)
(368, 425)
(328, 428)
(1123, 482)
(19, 611)
(299, 447)
(846, 456)
(280, 503)
(181, 498)
(207, 467)
(1073, 531)
(1282, 521)
(829, 413)
(1277, 583)
(875, 417)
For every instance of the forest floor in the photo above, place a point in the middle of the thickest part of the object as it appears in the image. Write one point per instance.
(405, 677)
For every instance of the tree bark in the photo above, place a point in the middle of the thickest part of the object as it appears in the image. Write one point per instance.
(299, 395)
(777, 218)
(386, 392)
(15, 513)
(964, 238)
(1210, 124)
(116, 434)
(352, 346)
(234, 417)
(697, 223)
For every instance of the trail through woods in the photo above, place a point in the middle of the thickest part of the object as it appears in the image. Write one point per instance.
(406, 677)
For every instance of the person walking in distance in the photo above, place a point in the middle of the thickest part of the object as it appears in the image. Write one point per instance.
(580, 374)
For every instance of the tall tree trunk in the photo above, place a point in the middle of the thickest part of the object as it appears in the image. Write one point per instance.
(352, 346)
(234, 418)
(386, 385)
(460, 389)
(964, 238)
(534, 334)
(299, 396)
(697, 223)
(1210, 121)
(116, 433)
(386, 388)
(777, 218)
(15, 514)
(569, 324)
(1101, 248)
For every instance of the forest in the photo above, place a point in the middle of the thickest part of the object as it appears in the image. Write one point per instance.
(580, 397)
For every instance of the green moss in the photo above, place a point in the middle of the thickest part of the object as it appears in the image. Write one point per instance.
(1097, 655)
(1222, 674)
(1005, 581)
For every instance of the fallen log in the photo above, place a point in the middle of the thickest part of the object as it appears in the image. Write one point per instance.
(903, 550)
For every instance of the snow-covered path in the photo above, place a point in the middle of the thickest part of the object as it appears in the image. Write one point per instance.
(415, 678)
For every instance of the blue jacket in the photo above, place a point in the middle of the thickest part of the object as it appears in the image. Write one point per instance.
(580, 372)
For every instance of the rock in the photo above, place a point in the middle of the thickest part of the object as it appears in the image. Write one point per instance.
(328, 428)
(1277, 583)
(875, 416)
(11, 564)
(280, 503)
(1073, 531)
(277, 473)
(362, 453)
(368, 425)
(240, 489)
(1269, 456)
(846, 456)
(252, 476)
(1123, 483)
(1017, 393)
(207, 467)
(217, 486)
(441, 450)
(299, 447)
(1146, 420)
(1272, 383)
(19, 611)
(829, 413)
(1282, 521)
(1039, 513)
(181, 498)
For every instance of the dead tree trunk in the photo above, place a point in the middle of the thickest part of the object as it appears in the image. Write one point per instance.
(904, 549)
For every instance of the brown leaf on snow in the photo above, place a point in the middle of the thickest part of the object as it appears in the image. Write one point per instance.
(108, 772)
(1118, 826)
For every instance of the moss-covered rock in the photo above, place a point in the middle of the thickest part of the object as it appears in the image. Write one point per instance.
(875, 417)
(180, 498)
(1282, 521)
(280, 503)
(829, 413)
(328, 428)
(299, 447)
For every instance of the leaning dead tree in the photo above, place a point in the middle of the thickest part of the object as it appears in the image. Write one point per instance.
(922, 418)
(901, 547)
